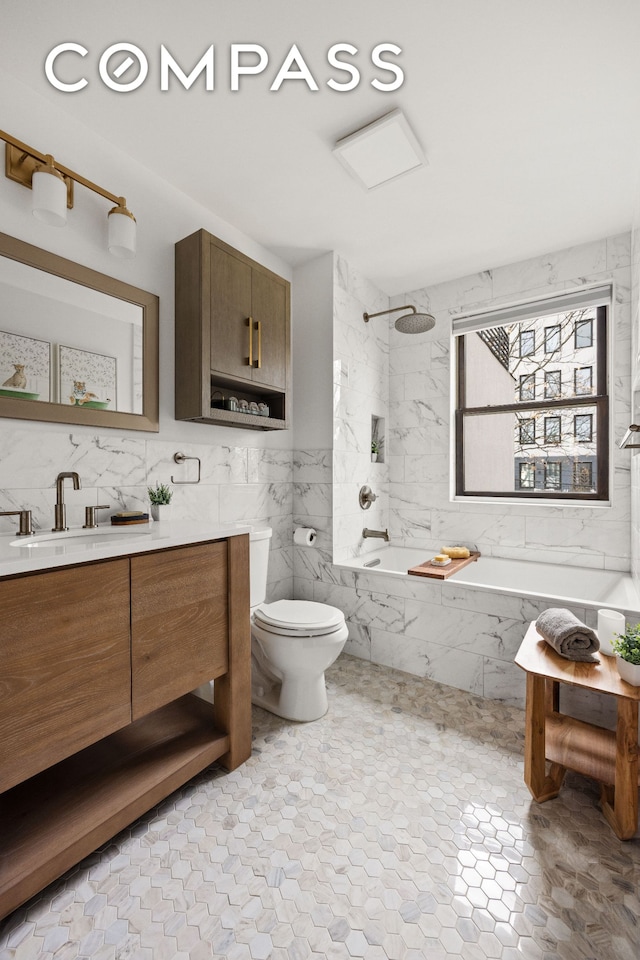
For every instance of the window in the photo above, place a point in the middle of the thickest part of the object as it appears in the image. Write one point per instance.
(552, 384)
(527, 431)
(582, 476)
(527, 422)
(552, 475)
(583, 380)
(552, 429)
(527, 343)
(583, 333)
(527, 386)
(552, 338)
(527, 476)
(583, 427)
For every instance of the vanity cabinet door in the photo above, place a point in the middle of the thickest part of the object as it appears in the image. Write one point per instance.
(64, 664)
(179, 622)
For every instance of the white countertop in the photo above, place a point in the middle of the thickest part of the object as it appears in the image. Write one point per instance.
(46, 550)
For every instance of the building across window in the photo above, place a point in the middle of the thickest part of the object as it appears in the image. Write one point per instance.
(552, 475)
(527, 478)
(527, 343)
(583, 427)
(532, 417)
(527, 431)
(528, 386)
(583, 380)
(552, 384)
(552, 338)
(583, 332)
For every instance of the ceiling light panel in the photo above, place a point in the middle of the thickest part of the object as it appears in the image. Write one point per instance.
(380, 152)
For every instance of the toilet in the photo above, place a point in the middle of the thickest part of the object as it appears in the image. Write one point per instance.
(293, 642)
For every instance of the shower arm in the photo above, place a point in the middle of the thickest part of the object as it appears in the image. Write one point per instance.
(367, 316)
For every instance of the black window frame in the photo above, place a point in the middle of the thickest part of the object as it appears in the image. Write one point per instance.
(582, 323)
(582, 416)
(599, 400)
(530, 422)
(548, 440)
(521, 335)
(583, 393)
(523, 378)
(547, 465)
(547, 375)
(529, 466)
(547, 336)
(581, 465)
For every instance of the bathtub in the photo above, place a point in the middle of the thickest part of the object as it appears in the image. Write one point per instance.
(583, 586)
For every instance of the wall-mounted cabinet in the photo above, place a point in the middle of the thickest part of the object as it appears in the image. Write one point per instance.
(232, 336)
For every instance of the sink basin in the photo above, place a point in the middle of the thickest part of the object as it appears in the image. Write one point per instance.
(71, 540)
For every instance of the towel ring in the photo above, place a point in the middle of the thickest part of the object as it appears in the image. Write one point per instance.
(180, 458)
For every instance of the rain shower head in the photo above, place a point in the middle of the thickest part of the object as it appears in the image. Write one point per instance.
(412, 322)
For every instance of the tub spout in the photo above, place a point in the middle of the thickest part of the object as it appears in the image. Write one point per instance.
(381, 534)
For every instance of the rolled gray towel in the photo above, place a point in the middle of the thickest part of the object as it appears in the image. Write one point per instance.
(568, 636)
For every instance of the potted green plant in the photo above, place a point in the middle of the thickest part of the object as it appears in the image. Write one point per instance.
(627, 648)
(375, 450)
(160, 499)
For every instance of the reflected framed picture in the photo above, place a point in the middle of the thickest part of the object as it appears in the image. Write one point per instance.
(25, 367)
(87, 379)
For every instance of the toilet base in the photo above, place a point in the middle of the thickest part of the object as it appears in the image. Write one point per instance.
(294, 700)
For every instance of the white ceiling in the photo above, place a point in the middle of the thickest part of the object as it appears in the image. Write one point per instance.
(528, 111)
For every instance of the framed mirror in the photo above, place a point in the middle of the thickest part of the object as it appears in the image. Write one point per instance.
(76, 346)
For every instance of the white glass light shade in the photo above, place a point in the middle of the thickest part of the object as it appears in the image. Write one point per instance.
(49, 201)
(122, 233)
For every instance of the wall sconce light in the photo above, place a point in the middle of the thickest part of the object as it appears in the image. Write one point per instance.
(52, 186)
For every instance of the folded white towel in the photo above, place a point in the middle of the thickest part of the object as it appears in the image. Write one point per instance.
(568, 636)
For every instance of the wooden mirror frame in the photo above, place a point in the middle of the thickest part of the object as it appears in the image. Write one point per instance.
(19, 409)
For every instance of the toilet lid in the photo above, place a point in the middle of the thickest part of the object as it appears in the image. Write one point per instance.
(299, 615)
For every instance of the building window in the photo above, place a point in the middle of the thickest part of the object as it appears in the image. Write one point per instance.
(552, 475)
(552, 384)
(552, 338)
(582, 476)
(583, 333)
(527, 430)
(583, 427)
(527, 476)
(527, 389)
(583, 380)
(549, 405)
(526, 343)
(552, 430)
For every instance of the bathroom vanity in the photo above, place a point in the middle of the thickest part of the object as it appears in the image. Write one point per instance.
(102, 638)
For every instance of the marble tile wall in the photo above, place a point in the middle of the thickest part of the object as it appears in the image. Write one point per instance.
(633, 455)
(421, 513)
(237, 483)
(360, 391)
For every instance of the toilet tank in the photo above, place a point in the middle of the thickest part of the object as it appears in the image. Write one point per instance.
(259, 543)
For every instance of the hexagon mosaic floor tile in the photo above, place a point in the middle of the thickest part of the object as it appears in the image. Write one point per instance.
(397, 827)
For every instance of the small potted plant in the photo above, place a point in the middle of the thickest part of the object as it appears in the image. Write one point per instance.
(375, 450)
(160, 498)
(627, 648)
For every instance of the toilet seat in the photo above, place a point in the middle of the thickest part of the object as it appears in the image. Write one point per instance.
(298, 618)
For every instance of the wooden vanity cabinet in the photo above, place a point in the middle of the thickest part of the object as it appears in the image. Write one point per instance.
(95, 664)
(232, 334)
(178, 623)
(65, 665)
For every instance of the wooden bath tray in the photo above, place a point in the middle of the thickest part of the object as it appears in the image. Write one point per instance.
(428, 569)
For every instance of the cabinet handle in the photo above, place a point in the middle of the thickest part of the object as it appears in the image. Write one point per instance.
(259, 329)
(249, 323)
